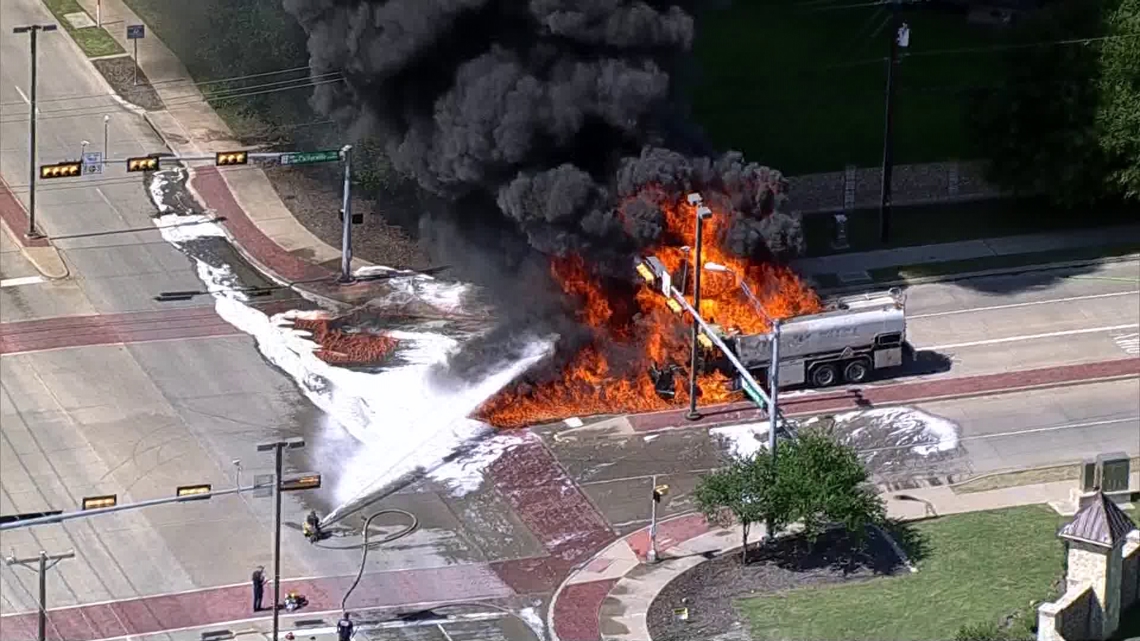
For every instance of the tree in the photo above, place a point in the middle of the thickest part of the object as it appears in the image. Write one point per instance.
(740, 492)
(814, 480)
(822, 481)
(1065, 120)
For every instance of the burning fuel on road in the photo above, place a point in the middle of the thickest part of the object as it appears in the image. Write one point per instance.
(551, 146)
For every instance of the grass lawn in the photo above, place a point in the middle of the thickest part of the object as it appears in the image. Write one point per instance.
(800, 87)
(951, 222)
(979, 568)
(92, 40)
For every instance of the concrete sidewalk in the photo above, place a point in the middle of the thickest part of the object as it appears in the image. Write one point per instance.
(267, 232)
(609, 597)
(968, 249)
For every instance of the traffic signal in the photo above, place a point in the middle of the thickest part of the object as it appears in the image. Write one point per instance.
(61, 170)
(306, 481)
(231, 158)
(100, 502)
(357, 219)
(143, 163)
(188, 491)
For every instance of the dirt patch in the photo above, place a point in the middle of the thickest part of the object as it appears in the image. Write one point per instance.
(120, 73)
(710, 590)
(313, 195)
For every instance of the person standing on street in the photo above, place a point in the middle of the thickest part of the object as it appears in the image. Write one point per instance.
(344, 627)
(258, 587)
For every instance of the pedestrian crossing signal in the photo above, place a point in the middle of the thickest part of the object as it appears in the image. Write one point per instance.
(231, 158)
(357, 219)
(144, 163)
(61, 170)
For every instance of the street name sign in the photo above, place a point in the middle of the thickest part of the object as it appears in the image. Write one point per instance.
(310, 157)
(92, 163)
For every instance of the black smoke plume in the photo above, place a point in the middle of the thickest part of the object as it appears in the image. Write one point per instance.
(533, 125)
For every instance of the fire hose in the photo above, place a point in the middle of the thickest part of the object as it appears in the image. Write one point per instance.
(415, 523)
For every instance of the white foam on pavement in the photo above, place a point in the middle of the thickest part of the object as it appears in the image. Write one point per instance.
(405, 419)
(745, 439)
(925, 434)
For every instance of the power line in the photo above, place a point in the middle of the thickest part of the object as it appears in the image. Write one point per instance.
(173, 80)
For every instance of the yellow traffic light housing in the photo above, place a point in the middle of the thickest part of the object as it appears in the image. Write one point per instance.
(231, 158)
(674, 306)
(307, 481)
(645, 272)
(61, 170)
(704, 340)
(194, 490)
(100, 502)
(142, 163)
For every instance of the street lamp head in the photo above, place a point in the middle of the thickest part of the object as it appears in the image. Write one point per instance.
(48, 27)
(704, 213)
(694, 199)
(106, 117)
(295, 443)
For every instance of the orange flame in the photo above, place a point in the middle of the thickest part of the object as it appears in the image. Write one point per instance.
(610, 375)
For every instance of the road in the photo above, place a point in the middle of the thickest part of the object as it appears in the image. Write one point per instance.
(135, 404)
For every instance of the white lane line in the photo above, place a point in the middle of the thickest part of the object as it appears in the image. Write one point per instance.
(1030, 337)
(1029, 304)
(24, 280)
(24, 97)
(1130, 343)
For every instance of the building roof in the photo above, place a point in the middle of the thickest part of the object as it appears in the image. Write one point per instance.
(1100, 522)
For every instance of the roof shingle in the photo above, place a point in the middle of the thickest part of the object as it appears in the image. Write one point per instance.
(1100, 522)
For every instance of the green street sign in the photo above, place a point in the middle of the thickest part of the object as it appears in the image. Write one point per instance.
(754, 394)
(310, 157)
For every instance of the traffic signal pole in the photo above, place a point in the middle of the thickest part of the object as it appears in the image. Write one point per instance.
(32, 31)
(346, 220)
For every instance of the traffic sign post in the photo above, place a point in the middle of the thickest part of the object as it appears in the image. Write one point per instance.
(309, 157)
(92, 163)
(136, 32)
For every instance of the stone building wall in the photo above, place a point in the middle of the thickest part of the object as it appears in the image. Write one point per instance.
(1066, 618)
(911, 185)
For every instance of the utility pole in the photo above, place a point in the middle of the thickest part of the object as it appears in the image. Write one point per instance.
(278, 448)
(896, 33)
(702, 213)
(44, 561)
(32, 31)
(106, 126)
(346, 220)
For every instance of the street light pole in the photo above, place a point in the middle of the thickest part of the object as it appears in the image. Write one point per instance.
(106, 123)
(346, 222)
(900, 36)
(32, 31)
(702, 213)
(278, 448)
(42, 561)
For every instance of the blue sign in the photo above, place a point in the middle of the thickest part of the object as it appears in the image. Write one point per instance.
(136, 31)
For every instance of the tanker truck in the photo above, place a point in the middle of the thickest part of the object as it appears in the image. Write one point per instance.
(852, 340)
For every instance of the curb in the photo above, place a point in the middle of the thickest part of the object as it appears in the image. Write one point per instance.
(44, 257)
(999, 271)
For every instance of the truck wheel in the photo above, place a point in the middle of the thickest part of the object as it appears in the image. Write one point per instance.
(856, 371)
(824, 375)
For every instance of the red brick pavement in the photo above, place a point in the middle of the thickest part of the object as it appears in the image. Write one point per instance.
(111, 329)
(669, 533)
(899, 393)
(216, 194)
(549, 503)
(221, 605)
(575, 616)
(16, 217)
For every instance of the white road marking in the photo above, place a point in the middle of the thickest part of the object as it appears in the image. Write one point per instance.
(24, 280)
(1030, 337)
(1130, 343)
(24, 97)
(1029, 304)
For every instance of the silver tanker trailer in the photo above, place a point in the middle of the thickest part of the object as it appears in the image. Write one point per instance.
(855, 337)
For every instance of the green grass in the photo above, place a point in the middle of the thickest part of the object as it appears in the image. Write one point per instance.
(951, 222)
(979, 567)
(802, 89)
(93, 41)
